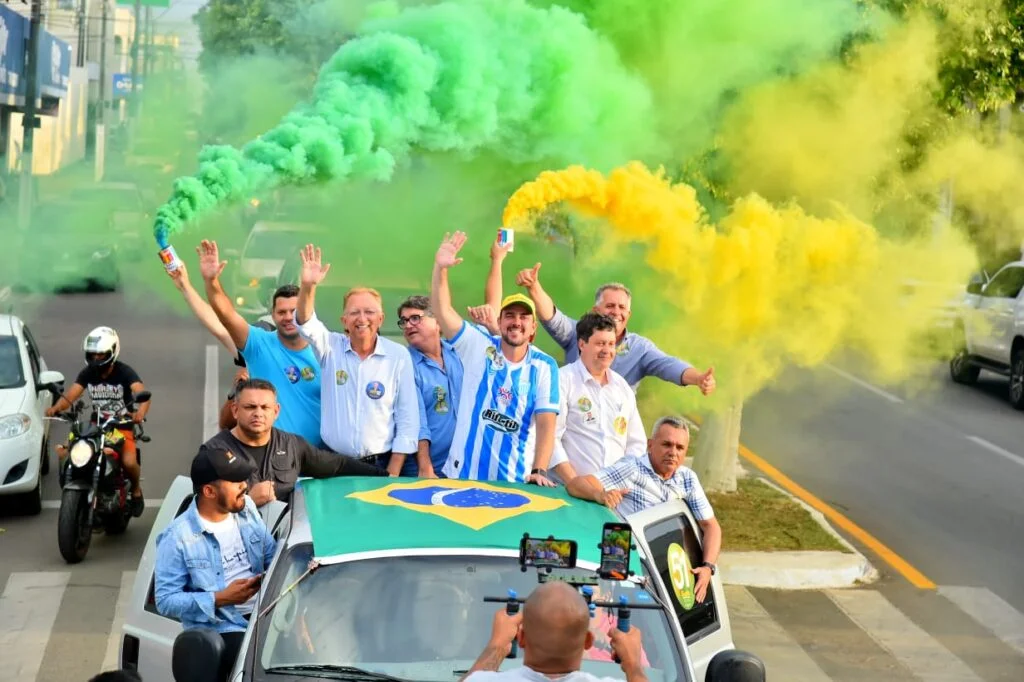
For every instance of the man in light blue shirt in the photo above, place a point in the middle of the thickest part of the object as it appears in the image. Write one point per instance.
(211, 559)
(636, 356)
(281, 357)
(438, 372)
(369, 405)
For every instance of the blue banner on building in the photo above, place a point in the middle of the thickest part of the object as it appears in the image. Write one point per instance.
(54, 65)
(13, 33)
(54, 70)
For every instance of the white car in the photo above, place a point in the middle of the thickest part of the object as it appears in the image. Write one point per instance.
(378, 578)
(989, 333)
(27, 389)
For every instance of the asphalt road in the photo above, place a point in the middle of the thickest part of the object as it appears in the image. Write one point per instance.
(936, 473)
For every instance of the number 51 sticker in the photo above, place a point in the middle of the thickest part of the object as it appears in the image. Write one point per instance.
(681, 575)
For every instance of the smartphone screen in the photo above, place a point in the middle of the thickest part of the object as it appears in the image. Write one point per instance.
(547, 553)
(616, 540)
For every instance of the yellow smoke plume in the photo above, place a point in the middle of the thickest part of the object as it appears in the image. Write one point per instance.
(768, 286)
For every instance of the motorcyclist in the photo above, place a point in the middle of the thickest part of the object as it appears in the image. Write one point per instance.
(111, 385)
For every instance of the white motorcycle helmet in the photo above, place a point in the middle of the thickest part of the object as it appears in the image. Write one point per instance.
(101, 346)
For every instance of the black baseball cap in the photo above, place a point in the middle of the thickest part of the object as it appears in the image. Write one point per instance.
(215, 464)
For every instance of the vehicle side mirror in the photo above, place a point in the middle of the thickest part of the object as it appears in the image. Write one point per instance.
(142, 396)
(733, 665)
(196, 656)
(51, 381)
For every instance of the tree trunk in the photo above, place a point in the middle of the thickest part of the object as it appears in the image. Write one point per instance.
(716, 450)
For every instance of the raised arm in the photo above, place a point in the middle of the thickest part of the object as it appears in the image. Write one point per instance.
(202, 310)
(210, 267)
(312, 274)
(530, 280)
(440, 293)
(493, 286)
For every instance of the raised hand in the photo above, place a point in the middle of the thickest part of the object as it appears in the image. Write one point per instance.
(706, 381)
(210, 264)
(498, 250)
(448, 253)
(179, 276)
(313, 271)
(529, 277)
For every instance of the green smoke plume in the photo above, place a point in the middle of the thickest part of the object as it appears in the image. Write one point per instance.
(466, 76)
(698, 55)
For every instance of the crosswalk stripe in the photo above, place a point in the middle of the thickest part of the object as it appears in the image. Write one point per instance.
(124, 596)
(28, 609)
(990, 611)
(760, 633)
(918, 651)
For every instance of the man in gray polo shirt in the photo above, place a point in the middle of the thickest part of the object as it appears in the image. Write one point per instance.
(636, 356)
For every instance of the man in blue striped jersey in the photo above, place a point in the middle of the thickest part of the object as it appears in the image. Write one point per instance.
(505, 427)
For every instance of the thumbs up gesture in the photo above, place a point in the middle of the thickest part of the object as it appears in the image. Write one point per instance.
(706, 381)
(527, 278)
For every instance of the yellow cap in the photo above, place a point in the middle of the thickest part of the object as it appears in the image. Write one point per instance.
(519, 298)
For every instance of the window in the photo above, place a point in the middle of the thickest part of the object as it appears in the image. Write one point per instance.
(12, 373)
(343, 614)
(701, 618)
(1006, 284)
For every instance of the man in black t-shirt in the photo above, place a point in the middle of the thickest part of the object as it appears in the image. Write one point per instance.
(111, 385)
(279, 457)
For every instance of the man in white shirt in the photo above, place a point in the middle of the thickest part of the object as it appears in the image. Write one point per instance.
(553, 630)
(369, 405)
(505, 427)
(598, 420)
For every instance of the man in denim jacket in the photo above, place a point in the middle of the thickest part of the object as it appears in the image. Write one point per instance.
(211, 559)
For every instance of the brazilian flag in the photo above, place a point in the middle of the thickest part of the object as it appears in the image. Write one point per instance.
(360, 514)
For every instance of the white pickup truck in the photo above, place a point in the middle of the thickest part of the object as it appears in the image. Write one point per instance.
(989, 330)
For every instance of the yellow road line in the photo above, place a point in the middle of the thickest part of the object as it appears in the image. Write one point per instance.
(914, 576)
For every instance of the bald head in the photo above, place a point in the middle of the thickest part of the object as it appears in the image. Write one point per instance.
(556, 627)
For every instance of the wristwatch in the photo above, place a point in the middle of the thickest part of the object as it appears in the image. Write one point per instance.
(714, 569)
(542, 472)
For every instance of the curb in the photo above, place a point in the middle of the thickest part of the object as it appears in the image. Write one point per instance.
(800, 570)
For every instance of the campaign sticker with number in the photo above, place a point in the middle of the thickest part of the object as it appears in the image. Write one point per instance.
(681, 575)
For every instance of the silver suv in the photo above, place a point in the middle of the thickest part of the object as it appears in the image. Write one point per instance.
(989, 330)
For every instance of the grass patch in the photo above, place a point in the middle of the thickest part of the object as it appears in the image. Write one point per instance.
(758, 518)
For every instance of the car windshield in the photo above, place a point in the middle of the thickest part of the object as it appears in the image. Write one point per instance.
(12, 375)
(424, 617)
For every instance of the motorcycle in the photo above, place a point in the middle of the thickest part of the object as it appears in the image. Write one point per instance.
(95, 487)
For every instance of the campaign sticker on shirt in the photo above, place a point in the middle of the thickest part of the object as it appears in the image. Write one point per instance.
(681, 576)
(585, 404)
(292, 372)
(308, 374)
(496, 358)
(375, 390)
(440, 400)
(620, 426)
(341, 377)
(623, 348)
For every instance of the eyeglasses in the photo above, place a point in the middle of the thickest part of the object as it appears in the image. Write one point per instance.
(415, 319)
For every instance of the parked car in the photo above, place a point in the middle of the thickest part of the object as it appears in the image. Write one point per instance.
(989, 330)
(369, 571)
(27, 389)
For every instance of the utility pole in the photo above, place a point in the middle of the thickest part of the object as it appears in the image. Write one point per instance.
(101, 129)
(133, 108)
(82, 33)
(30, 122)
